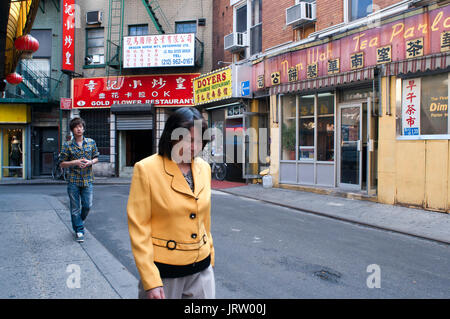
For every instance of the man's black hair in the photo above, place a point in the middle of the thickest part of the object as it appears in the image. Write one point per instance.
(75, 122)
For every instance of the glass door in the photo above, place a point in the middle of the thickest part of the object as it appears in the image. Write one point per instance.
(350, 146)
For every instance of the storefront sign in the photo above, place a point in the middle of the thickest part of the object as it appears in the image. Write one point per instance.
(68, 35)
(65, 103)
(165, 50)
(213, 87)
(406, 38)
(411, 106)
(160, 90)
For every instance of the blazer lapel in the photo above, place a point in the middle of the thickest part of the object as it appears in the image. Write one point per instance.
(178, 181)
(199, 181)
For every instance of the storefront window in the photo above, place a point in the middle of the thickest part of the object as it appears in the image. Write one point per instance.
(434, 101)
(288, 133)
(12, 152)
(425, 106)
(306, 127)
(325, 127)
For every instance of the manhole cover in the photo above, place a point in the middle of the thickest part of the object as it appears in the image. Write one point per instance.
(328, 275)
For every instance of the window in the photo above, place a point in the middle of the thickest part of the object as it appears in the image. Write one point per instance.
(139, 29)
(186, 27)
(325, 127)
(95, 46)
(312, 125)
(425, 106)
(288, 127)
(359, 9)
(306, 127)
(256, 29)
(241, 19)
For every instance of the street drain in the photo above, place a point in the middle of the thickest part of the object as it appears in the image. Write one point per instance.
(327, 275)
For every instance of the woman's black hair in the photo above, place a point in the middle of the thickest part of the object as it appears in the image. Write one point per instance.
(182, 118)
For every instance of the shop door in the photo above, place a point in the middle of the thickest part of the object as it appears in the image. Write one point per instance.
(255, 146)
(49, 146)
(350, 151)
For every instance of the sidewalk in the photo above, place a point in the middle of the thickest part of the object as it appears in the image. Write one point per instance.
(417, 222)
(50, 181)
(41, 260)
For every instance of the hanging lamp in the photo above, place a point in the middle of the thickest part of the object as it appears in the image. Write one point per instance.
(27, 44)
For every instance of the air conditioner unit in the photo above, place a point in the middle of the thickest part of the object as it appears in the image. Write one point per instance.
(300, 13)
(94, 17)
(96, 58)
(235, 41)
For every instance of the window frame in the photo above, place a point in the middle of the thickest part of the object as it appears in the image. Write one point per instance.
(186, 22)
(315, 116)
(130, 26)
(94, 65)
(348, 11)
(398, 106)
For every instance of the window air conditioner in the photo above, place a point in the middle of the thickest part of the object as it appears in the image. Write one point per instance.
(96, 58)
(235, 41)
(94, 17)
(300, 13)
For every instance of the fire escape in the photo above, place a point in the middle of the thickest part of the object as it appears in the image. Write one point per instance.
(37, 86)
(114, 40)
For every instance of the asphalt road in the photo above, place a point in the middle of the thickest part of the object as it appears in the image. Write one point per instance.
(267, 251)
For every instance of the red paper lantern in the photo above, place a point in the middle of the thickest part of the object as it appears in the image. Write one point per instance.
(14, 78)
(27, 44)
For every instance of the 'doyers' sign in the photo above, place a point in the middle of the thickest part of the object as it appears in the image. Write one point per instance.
(406, 38)
(159, 90)
(213, 86)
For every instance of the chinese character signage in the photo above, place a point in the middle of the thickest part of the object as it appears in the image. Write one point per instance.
(163, 50)
(409, 37)
(213, 86)
(68, 35)
(411, 106)
(160, 90)
(65, 103)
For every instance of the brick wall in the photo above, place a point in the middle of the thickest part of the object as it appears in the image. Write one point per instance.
(223, 25)
(274, 28)
(329, 13)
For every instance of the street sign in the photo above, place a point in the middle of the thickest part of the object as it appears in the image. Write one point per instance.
(245, 88)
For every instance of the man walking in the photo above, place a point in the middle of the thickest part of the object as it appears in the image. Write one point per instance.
(79, 154)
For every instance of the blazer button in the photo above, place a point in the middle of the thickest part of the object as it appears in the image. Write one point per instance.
(194, 236)
(192, 215)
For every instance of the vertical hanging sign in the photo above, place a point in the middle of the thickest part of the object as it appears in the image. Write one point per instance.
(411, 106)
(68, 35)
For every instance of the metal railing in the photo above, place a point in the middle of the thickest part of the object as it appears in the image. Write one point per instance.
(35, 85)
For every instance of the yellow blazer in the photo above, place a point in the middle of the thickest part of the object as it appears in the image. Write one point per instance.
(168, 223)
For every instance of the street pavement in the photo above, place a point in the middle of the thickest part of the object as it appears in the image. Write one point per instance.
(42, 260)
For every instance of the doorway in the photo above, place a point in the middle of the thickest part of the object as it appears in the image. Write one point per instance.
(350, 173)
(139, 145)
(357, 164)
(45, 145)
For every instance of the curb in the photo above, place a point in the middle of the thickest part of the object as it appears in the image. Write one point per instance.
(115, 273)
(348, 220)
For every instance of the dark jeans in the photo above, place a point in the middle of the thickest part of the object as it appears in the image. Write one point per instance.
(80, 204)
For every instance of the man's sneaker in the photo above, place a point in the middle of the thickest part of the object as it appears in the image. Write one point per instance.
(80, 237)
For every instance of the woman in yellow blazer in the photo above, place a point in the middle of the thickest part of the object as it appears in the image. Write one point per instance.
(169, 215)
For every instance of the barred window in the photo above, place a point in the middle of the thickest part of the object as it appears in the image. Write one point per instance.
(97, 128)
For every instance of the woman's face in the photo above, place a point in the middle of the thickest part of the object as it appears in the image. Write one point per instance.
(189, 143)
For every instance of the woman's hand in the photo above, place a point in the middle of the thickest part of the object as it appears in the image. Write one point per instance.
(155, 293)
